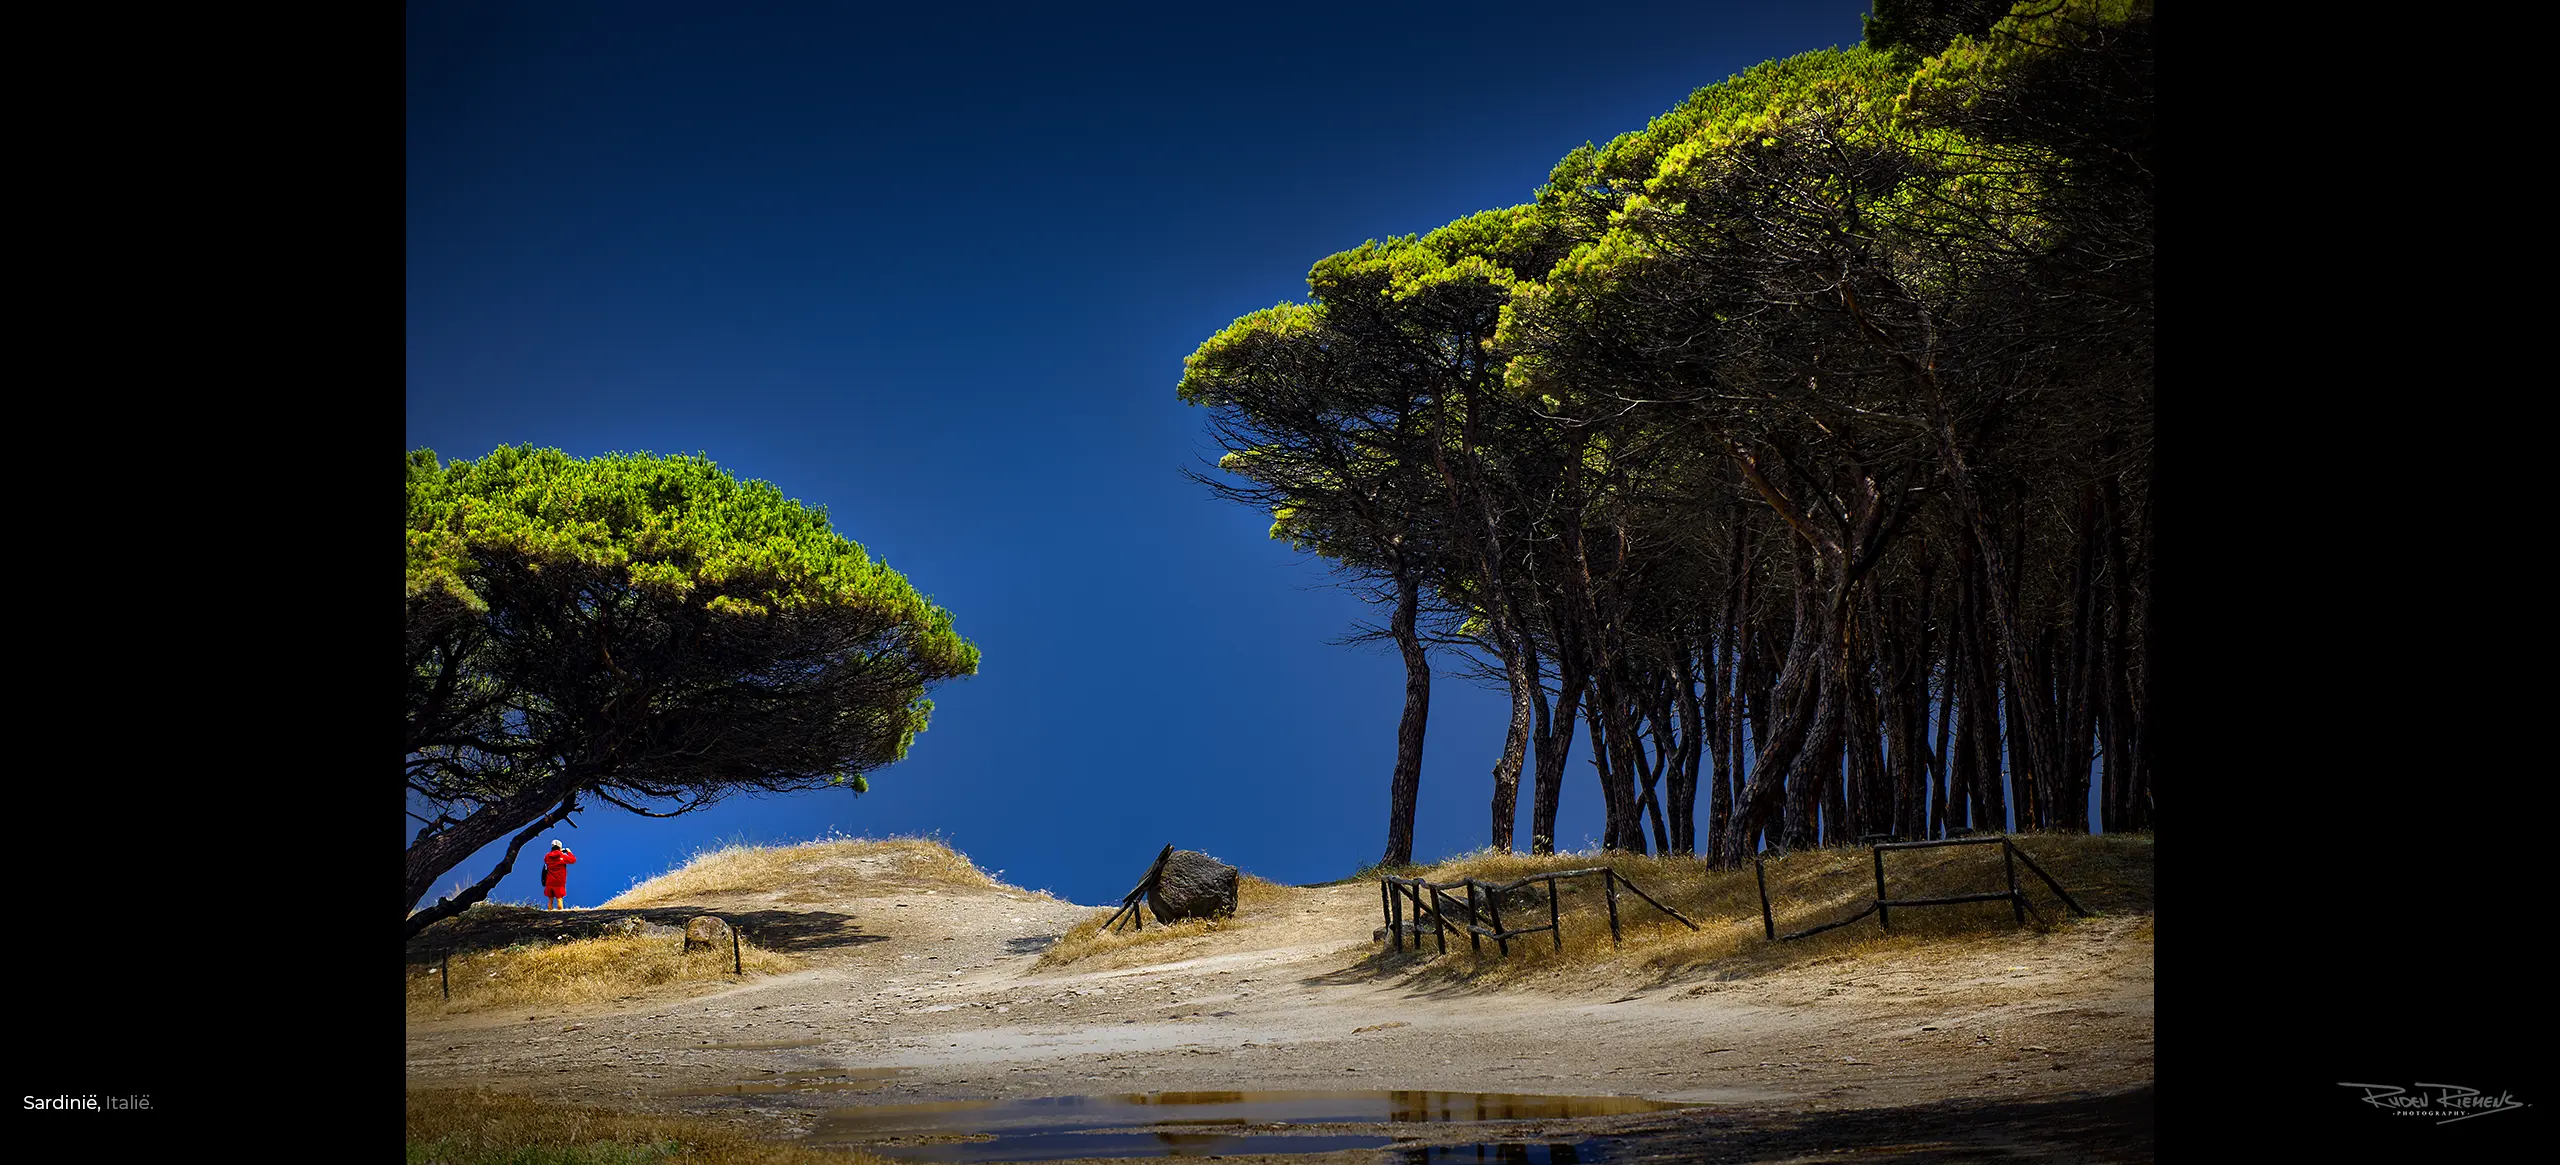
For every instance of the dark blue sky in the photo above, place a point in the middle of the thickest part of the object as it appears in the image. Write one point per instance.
(936, 271)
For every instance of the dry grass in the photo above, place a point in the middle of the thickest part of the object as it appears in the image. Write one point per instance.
(591, 970)
(479, 1127)
(814, 871)
(2108, 874)
(1087, 938)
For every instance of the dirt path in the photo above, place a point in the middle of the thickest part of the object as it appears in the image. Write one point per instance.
(941, 986)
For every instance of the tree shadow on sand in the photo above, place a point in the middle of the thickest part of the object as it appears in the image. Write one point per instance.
(486, 928)
(1424, 972)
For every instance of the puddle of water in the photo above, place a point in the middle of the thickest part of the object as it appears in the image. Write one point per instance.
(761, 1045)
(1502, 1153)
(1065, 1146)
(1198, 1123)
(819, 1081)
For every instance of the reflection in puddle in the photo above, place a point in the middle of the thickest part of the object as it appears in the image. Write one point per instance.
(821, 1081)
(761, 1046)
(1506, 1153)
(1180, 1124)
(1063, 1146)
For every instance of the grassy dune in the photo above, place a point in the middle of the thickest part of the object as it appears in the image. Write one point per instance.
(508, 956)
(589, 970)
(812, 870)
(1087, 938)
(2109, 874)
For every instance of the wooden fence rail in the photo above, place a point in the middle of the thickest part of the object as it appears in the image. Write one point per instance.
(1130, 903)
(1483, 906)
(1883, 905)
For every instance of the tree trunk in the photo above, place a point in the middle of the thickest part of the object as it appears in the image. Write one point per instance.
(1406, 786)
(2112, 685)
(1520, 669)
(2023, 679)
(1555, 746)
(1665, 770)
(1724, 655)
(1719, 653)
(1806, 779)
(1800, 707)
(1991, 807)
(1760, 691)
(1980, 718)
(1691, 713)
(1613, 810)
(2079, 718)
(1509, 634)
(430, 858)
(1834, 753)
(1653, 811)
(2028, 728)
(477, 891)
(1624, 749)
(2145, 805)
(2024, 783)
(1859, 801)
(1935, 673)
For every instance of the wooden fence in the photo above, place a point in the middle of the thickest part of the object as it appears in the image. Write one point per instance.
(1483, 904)
(1882, 907)
(1132, 904)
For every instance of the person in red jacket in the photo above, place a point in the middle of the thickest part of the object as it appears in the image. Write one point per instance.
(555, 873)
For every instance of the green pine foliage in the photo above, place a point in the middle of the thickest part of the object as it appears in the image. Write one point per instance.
(645, 631)
(1851, 300)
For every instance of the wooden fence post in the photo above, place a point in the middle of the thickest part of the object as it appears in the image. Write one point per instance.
(1882, 914)
(444, 970)
(1395, 925)
(1760, 874)
(1609, 879)
(737, 962)
(1493, 906)
(1475, 942)
(1554, 930)
(2009, 858)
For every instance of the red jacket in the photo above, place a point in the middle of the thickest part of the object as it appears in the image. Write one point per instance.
(555, 873)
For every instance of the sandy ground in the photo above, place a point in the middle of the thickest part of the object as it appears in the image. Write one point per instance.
(2032, 1047)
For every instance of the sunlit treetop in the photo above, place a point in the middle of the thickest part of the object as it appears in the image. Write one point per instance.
(676, 527)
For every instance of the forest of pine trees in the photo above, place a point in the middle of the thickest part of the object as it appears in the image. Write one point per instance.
(1789, 460)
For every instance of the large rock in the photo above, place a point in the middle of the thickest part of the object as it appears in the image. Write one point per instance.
(1193, 885)
(706, 930)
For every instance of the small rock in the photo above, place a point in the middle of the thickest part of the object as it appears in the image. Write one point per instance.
(706, 930)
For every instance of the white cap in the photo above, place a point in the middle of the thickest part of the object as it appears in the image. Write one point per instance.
(555, 844)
